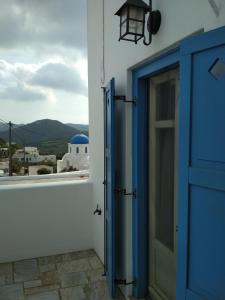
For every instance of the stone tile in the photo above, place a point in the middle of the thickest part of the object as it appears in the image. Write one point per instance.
(73, 279)
(6, 273)
(2, 280)
(97, 290)
(49, 278)
(12, 292)
(47, 260)
(31, 284)
(73, 266)
(78, 255)
(67, 257)
(26, 270)
(41, 289)
(96, 275)
(44, 296)
(78, 276)
(95, 262)
(47, 268)
(74, 293)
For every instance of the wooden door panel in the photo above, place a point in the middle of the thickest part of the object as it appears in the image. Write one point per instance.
(110, 203)
(201, 238)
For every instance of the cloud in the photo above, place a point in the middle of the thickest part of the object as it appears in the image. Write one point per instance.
(13, 83)
(25, 23)
(33, 82)
(21, 92)
(59, 76)
(43, 60)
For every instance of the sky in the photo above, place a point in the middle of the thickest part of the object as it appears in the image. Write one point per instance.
(43, 61)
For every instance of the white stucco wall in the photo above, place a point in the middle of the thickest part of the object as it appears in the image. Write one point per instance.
(45, 219)
(109, 58)
(33, 170)
(96, 134)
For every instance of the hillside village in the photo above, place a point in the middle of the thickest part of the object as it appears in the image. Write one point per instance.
(43, 154)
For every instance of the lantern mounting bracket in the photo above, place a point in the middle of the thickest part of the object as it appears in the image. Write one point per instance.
(123, 99)
(125, 193)
(124, 282)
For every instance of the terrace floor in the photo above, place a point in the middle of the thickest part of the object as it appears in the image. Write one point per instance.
(71, 276)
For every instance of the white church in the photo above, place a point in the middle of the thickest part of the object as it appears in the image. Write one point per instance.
(77, 158)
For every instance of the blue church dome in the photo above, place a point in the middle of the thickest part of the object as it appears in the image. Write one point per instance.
(79, 139)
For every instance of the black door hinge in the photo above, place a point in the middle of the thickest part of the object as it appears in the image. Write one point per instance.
(123, 99)
(124, 282)
(125, 193)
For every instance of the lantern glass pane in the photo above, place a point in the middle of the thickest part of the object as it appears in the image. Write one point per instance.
(124, 14)
(135, 27)
(136, 13)
(123, 28)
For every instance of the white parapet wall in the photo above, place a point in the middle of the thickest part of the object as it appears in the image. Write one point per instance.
(45, 219)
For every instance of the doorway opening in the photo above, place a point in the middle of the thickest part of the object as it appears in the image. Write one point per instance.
(162, 191)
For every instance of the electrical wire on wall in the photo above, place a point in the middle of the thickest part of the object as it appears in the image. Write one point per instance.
(103, 45)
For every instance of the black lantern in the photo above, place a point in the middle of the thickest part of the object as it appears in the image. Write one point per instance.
(132, 21)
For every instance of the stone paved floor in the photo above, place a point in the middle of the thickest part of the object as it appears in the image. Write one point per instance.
(71, 276)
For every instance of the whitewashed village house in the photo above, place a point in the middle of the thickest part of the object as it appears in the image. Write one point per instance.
(31, 155)
(153, 208)
(4, 168)
(77, 157)
(4, 152)
(33, 170)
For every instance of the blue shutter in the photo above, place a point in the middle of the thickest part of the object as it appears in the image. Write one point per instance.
(110, 205)
(201, 211)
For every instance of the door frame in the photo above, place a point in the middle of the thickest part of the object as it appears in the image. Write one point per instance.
(181, 56)
(140, 218)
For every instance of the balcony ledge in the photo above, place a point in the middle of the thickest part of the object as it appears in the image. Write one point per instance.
(78, 177)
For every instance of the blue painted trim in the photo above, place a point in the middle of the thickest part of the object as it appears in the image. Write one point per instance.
(140, 183)
(140, 167)
(110, 213)
(207, 178)
(192, 296)
(203, 41)
(183, 169)
(113, 186)
(164, 61)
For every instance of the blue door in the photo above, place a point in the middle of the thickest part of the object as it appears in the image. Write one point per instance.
(110, 205)
(201, 211)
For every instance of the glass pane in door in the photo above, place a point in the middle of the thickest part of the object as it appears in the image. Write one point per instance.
(164, 204)
(165, 100)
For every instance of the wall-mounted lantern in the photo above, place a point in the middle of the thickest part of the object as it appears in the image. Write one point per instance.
(133, 21)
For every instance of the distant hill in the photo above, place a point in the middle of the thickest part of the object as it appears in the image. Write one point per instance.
(81, 127)
(2, 142)
(50, 136)
(58, 147)
(4, 127)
